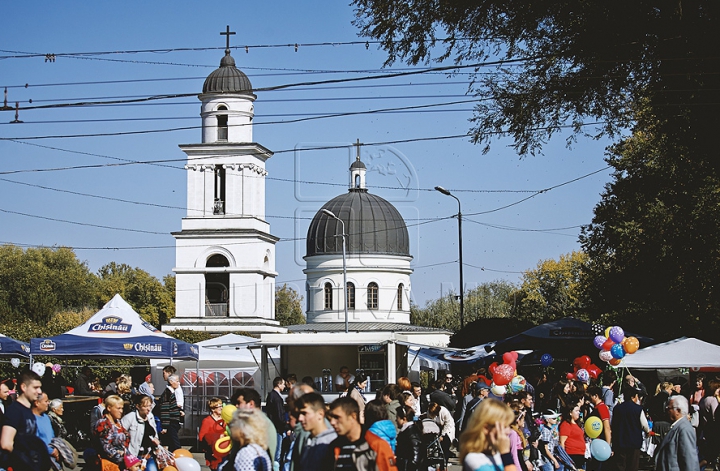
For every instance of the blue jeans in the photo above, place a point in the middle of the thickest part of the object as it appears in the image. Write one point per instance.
(550, 467)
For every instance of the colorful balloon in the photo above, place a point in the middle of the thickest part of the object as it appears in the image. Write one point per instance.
(182, 452)
(517, 384)
(187, 464)
(605, 356)
(593, 427)
(631, 345)
(598, 329)
(617, 351)
(15, 362)
(614, 361)
(546, 360)
(503, 374)
(227, 413)
(617, 334)
(608, 344)
(607, 332)
(498, 391)
(600, 450)
(582, 375)
(598, 341)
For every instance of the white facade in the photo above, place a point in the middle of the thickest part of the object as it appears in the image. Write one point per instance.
(391, 274)
(225, 254)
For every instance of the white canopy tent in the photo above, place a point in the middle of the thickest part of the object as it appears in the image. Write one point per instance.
(679, 353)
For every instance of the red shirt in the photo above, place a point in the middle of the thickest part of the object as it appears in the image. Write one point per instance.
(603, 410)
(575, 443)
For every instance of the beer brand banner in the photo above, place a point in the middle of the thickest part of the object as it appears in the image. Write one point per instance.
(115, 330)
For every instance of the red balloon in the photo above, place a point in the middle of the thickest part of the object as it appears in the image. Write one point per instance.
(492, 367)
(594, 371)
(510, 357)
(503, 374)
(570, 376)
(608, 345)
(585, 361)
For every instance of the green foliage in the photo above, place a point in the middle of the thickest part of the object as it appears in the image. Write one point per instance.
(36, 283)
(288, 306)
(654, 242)
(190, 336)
(489, 300)
(151, 299)
(565, 62)
(553, 290)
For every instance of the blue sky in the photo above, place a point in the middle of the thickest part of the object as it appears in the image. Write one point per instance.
(405, 170)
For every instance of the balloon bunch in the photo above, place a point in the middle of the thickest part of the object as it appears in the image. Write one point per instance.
(227, 414)
(584, 369)
(505, 377)
(613, 345)
(184, 461)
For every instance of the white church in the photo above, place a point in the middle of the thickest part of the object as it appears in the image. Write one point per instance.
(225, 253)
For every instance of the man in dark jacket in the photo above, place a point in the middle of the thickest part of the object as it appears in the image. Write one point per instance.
(275, 410)
(628, 423)
(441, 397)
(169, 413)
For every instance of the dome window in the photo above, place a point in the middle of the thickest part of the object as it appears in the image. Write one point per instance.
(327, 292)
(401, 288)
(350, 296)
(222, 124)
(372, 295)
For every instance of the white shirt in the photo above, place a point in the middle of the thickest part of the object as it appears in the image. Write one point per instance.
(179, 398)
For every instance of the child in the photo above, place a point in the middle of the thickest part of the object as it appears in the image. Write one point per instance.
(132, 463)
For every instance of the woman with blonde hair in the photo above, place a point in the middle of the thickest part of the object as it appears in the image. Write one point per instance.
(112, 436)
(249, 437)
(485, 443)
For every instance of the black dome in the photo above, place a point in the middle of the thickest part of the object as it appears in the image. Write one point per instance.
(227, 78)
(373, 226)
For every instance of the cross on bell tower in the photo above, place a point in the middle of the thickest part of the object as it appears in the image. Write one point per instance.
(357, 170)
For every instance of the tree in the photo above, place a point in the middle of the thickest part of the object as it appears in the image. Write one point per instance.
(565, 62)
(151, 299)
(654, 242)
(489, 300)
(288, 306)
(553, 290)
(36, 283)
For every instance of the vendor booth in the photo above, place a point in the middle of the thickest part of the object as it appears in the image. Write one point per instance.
(116, 330)
(10, 347)
(224, 364)
(679, 353)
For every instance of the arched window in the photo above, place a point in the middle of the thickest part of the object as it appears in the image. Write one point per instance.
(350, 293)
(217, 294)
(400, 296)
(327, 291)
(222, 124)
(372, 295)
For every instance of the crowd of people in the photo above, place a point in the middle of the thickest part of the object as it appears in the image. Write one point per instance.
(601, 424)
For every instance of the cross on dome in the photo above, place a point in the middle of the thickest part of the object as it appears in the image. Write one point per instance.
(358, 144)
(227, 33)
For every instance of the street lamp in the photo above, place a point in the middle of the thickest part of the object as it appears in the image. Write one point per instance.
(459, 218)
(343, 235)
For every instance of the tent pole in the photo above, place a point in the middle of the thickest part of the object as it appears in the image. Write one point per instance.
(264, 370)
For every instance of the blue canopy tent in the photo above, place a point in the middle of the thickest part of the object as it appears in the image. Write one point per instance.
(114, 331)
(11, 347)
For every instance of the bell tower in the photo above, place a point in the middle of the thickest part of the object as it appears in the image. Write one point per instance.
(225, 254)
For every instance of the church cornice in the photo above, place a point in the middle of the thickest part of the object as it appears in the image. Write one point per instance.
(239, 166)
(225, 234)
(215, 149)
(203, 270)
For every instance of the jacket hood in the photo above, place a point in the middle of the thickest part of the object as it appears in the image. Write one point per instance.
(385, 430)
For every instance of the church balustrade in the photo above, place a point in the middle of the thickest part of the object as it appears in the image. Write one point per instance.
(216, 309)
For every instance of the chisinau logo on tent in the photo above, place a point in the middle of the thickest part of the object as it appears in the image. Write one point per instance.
(47, 345)
(110, 325)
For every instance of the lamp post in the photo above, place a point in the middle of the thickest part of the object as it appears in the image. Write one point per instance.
(343, 235)
(460, 250)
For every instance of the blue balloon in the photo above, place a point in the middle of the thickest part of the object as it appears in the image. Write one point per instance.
(599, 341)
(600, 450)
(617, 351)
(546, 360)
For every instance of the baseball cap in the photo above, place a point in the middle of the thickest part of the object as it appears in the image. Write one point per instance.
(480, 386)
(550, 414)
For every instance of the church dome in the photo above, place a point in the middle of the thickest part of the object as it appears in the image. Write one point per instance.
(227, 78)
(373, 226)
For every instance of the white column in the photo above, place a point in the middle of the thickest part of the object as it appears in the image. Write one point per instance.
(391, 360)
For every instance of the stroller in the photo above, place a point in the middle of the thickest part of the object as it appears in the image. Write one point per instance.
(433, 456)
